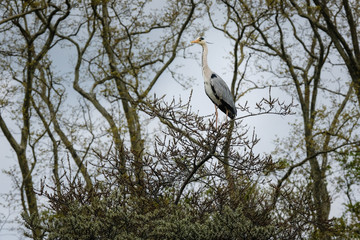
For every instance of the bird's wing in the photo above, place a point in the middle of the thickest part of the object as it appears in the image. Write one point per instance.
(222, 92)
(221, 89)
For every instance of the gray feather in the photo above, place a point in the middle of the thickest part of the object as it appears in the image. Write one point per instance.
(223, 94)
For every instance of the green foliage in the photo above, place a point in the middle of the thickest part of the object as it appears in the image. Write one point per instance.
(346, 230)
(107, 218)
(348, 225)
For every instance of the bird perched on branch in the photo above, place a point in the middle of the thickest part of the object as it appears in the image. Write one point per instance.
(216, 89)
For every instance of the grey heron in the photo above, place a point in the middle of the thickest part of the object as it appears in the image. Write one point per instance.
(216, 88)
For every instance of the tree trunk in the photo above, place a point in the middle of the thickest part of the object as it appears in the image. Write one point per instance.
(320, 193)
(234, 201)
(128, 104)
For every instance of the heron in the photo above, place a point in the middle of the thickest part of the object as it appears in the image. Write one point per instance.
(215, 87)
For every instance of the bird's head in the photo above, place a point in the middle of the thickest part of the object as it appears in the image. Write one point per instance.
(199, 40)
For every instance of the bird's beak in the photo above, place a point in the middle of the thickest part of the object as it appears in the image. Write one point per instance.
(195, 41)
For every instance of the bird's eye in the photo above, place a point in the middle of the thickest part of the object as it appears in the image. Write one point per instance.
(201, 38)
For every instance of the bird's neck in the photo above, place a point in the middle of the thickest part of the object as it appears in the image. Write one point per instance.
(205, 66)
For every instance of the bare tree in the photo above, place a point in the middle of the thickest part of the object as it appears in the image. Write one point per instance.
(34, 26)
(334, 19)
(274, 31)
(129, 73)
(109, 40)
